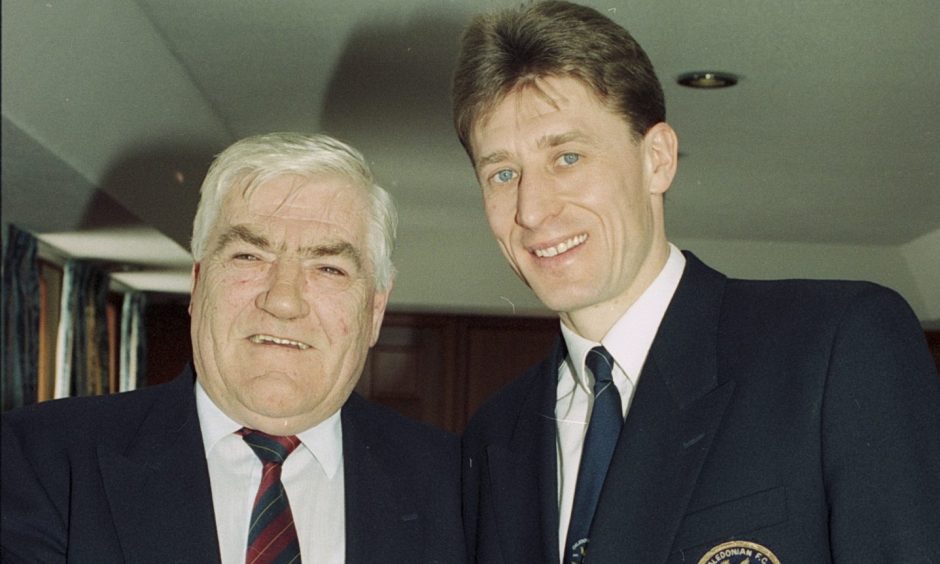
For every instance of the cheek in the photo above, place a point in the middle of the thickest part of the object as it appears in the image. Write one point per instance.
(201, 303)
(343, 315)
(329, 315)
(621, 204)
(222, 297)
(500, 213)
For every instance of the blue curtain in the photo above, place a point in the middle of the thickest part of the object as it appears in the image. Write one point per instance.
(82, 348)
(133, 342)
(20, 319)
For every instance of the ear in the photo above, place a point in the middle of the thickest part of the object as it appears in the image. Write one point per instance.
(379, 303)
(661, 157)
(194, 278)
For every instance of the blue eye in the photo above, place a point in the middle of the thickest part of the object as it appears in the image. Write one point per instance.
(504, 176)
(570, 158)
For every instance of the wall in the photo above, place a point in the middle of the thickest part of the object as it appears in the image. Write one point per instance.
(470, 273)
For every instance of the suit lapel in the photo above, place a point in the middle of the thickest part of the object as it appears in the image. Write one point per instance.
(381, 517)
(158, 484)
(675, 414)
(524, 505)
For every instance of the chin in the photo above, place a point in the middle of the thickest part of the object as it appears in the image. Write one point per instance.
(562, 299)
(278, 407)
(274, 390)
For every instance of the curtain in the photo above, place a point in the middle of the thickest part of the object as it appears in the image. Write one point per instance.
(82, 343)
(133, 341)
(20, 319)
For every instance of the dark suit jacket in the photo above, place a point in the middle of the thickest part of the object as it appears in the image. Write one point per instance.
(123, 478)
(802, 416)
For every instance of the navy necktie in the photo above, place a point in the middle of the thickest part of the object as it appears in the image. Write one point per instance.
(603, 431)
(272, 536)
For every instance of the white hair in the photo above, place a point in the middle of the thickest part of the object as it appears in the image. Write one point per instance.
(255, 160)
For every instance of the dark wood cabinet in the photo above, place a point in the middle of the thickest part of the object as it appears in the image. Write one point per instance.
(440, 368)
(410, 369)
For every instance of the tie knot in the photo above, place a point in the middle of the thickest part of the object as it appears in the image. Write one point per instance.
(601, 365)
(269, 448)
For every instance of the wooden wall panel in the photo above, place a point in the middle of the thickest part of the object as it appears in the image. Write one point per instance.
(497, 350)
(440, 368)
(411, 369)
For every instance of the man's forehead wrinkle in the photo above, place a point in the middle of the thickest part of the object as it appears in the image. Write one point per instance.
(294, 190)
(547, 140)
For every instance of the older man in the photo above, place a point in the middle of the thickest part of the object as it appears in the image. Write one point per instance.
(260, 452)
(684, 416)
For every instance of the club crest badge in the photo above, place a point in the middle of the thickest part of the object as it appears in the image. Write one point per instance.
(739, 552)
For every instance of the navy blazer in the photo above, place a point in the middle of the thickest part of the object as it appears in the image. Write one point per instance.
(123, 478)
(802, 416)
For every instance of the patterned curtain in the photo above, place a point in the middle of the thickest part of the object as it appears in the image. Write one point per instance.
(20, 319)
(133, 341)
(82, 344)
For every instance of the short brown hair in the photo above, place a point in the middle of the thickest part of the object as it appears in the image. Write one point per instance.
(505, 50)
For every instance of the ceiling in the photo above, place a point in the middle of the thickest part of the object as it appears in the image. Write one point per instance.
(112, 111)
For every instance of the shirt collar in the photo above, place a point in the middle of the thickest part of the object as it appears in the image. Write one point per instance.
(631, 336)
(324, 441)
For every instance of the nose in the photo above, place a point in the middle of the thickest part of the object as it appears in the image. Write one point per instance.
(283, 297)
(536, 199)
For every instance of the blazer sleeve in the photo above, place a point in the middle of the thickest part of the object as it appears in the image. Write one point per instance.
(32, 526)
(881, 436)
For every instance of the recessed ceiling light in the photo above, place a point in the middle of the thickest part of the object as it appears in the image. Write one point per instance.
(707, 79)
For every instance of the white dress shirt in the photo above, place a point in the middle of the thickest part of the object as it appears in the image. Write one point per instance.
(628, 341)
(312, 476)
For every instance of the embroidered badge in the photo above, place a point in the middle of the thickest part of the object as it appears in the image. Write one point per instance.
(739, 552)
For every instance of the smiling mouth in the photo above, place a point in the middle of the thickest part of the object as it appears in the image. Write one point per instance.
(272, 340)
(562, 247)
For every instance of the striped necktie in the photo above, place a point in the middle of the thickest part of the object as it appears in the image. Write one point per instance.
(272, 537)
(599, 442)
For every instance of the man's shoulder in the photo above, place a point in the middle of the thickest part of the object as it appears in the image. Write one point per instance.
(753, 307)
(795, 293)
(816, 291)
(360, 415)
(810, 299)
(76, 417)
(518, 390)
(376, 437)
(807, 287)
(498, 414)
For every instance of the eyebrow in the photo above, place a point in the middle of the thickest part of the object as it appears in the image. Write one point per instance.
(561, 139)
(245, 234)
(553, 140)
(338, 249)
